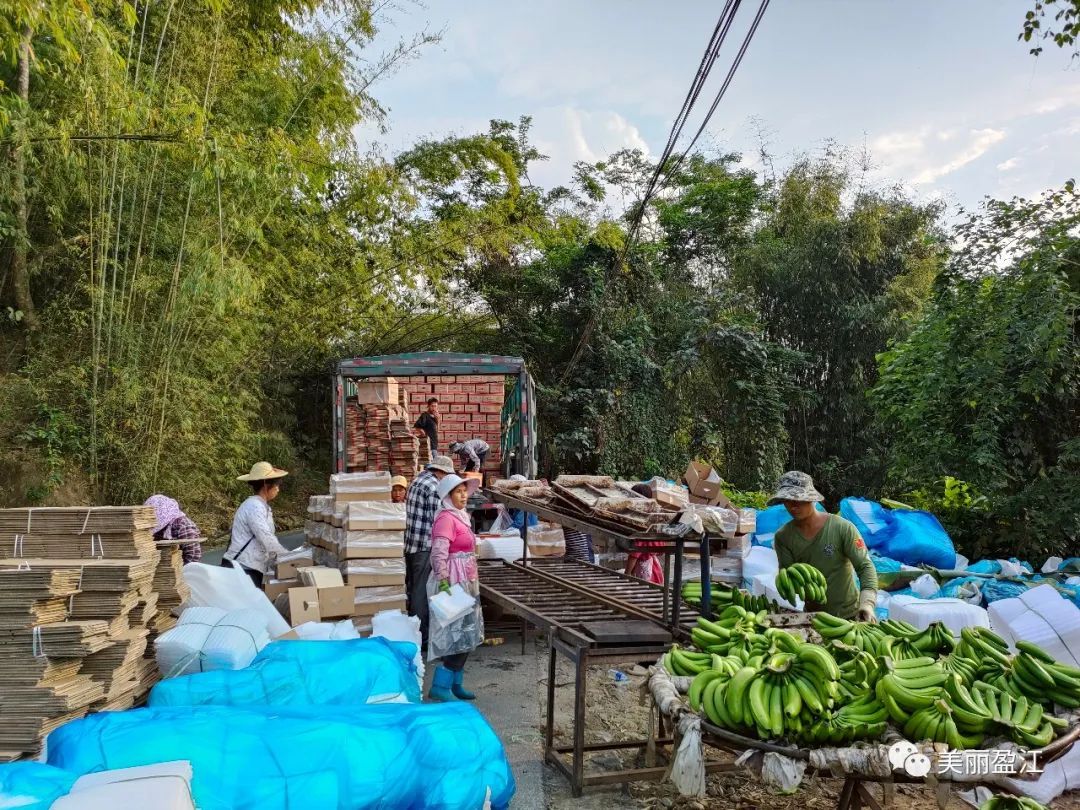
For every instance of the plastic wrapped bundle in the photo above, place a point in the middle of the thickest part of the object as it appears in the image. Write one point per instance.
(907, 535)
(994, 590)
(304, 673)
(33, 785)
(208, 638)
(419, 756)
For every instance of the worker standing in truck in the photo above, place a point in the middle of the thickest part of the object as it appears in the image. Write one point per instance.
(472, 453)
(428, 425)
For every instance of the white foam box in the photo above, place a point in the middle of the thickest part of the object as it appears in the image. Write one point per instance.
(373, 516)
(956, 614)
(1042, 616)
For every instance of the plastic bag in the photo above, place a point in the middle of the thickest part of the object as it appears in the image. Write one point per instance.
(907, 535)
(460, 635)
(304, 673)
(984, 567)
(231, 589)
(418, 756)
(33, 785)
(393, 625)
(968, 589)
(208, 638)
(925, 587)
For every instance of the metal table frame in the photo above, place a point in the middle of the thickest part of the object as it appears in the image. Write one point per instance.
(628, 543)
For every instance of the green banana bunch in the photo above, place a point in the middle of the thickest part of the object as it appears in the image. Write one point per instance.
(802, 580)
(861, 719)
(678, 661)
(908, 686)
(1010, 803)
(900, 649)
(965, 668)
(719, 595)
(898, 629)
(1024, 721)
(867, 637)
(936, 639)
(735, 629)
(936, 722)
(987, 648)
(1036, 675)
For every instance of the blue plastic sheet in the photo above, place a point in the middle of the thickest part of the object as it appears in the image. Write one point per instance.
(291, 673)
(961, 588)
(985, 567)
(769, 522)
(33, 785)
(995, 589)
(907, 535)
(409, 756)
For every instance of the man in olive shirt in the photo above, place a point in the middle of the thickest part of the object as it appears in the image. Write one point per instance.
(829, 543)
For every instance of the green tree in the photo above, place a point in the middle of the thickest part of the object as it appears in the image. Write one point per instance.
(987, 387)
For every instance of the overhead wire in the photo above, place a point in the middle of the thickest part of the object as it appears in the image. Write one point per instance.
(663, 172)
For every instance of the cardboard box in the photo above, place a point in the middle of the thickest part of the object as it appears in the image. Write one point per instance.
(273, 588)
(379, 391)
(286, 569)
(370, 578)
(670, 496)
(336, 602)
(342, 498)
(703, 482)
(370, 545)
(320, 576)
(304, 606)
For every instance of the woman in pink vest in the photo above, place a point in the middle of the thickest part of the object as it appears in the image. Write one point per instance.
(453, 562)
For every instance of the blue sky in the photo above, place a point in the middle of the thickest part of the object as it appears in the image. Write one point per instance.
(940, 92)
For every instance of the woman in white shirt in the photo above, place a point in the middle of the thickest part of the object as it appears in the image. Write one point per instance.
(254, 543)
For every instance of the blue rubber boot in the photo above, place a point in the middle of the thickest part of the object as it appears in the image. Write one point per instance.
(441, 685)
(460, 692)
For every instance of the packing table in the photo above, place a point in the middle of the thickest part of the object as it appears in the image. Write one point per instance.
(591, 616)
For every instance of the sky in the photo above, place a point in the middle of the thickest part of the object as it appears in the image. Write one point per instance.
(940, 93)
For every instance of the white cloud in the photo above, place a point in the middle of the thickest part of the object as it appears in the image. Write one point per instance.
(1008, 165)
(925, 155)
(569, 134)
(979, 144)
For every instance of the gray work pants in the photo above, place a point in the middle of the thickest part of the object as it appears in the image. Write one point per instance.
(417, 569)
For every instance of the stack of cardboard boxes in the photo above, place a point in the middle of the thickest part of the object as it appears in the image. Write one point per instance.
(356, 565)
(379, 429)
(728, 550)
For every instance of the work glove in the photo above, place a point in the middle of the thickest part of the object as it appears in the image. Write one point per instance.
(444, 586)
(867, 605)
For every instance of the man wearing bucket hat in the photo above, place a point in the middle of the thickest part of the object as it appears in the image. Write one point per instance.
(830, 544)
(421, 504)
(254, 542)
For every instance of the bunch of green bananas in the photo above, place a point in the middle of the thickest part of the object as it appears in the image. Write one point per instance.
(965, 668)
(860, 719)
(720, 596)
(858, 671)
(1036, 675)
(907, 686)
(865, 636)
(1010, 803)
(678, 661)
(936, 639)
(802, 580)
(736, 630)
(936, 722)
(1023, 720)
(898, 629)
(988, 650)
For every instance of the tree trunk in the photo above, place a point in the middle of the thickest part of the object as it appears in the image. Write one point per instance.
(20, 275)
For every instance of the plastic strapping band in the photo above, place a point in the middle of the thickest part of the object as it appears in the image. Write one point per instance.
(95, 542)
(37, 647)
(29, 514)
(85, 521)
(18, 550)
(23, 566)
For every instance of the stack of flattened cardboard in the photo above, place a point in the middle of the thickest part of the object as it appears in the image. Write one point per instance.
(170, 587)
(72, 616)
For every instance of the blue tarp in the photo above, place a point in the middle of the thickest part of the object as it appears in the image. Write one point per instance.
(33, 785)
(294, 673)
(769, 522)
(408, 756)
(907, 535)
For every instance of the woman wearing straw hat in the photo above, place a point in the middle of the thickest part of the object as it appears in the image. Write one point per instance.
(453, 562)
(254, 542)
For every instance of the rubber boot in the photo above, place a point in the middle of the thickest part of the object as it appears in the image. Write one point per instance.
(460, 692)
(441, 685)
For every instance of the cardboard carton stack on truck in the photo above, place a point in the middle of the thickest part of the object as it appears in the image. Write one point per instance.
(356, 565)
(379, 427)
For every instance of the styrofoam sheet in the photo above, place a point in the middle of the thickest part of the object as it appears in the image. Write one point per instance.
(1042, 616)
(955, 614)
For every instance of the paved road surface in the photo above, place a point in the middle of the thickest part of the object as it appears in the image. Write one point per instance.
(292, 539)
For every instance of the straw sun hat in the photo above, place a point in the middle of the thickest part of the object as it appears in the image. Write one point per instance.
(262, 471)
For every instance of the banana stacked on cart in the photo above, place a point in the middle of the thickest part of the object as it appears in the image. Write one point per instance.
(754, 679)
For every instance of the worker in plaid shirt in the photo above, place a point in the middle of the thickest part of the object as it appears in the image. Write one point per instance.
(421, 504)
